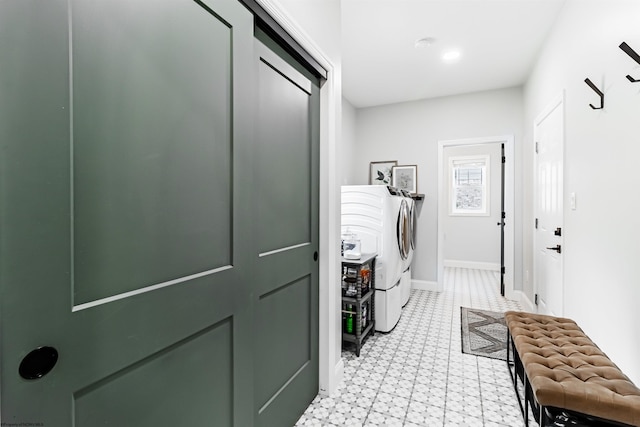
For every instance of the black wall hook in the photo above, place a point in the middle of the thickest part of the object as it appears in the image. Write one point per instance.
(598, 91)
(632, 53)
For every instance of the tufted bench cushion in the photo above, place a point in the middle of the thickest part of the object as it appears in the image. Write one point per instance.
(565, 369)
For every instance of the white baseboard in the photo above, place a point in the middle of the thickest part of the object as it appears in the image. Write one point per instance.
(472, 265)
(424, 285)
(524, 301)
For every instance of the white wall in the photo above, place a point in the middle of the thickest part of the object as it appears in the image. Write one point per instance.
(602, 148)
(321, 20)
(409, 132)
(474, 239)
(347, 150)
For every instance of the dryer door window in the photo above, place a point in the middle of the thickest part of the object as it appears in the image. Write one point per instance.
(403, 232)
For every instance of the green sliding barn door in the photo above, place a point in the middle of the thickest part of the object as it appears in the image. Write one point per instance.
(126, 214)
(286, 219)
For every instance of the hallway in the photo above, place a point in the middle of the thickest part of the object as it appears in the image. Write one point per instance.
(417, 375)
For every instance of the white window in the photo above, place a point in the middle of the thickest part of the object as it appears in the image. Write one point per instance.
(469, 190)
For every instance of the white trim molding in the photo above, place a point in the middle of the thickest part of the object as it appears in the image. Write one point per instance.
(491, 266)
(424, 285)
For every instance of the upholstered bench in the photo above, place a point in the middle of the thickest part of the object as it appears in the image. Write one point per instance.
(563, 371)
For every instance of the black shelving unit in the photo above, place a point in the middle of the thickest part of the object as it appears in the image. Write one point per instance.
(358, 303)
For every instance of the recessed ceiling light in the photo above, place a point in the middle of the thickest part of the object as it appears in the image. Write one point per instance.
(451, 56)
(424, 42)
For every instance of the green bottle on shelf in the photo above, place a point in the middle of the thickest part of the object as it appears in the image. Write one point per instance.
(350, 321)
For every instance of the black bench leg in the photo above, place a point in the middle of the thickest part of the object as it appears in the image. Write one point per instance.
(526, 401)
(513, 364)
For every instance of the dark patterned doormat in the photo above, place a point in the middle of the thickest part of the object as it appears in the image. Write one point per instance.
(484, 333)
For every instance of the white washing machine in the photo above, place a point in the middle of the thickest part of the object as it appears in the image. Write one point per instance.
(372, 213)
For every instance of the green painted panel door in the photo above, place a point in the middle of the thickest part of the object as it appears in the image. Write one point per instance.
(125, 211)
(286, 235)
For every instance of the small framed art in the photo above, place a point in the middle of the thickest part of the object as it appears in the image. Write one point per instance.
(380, 172)
(405, 177)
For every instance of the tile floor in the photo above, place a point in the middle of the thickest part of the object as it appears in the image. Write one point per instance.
(417, 375)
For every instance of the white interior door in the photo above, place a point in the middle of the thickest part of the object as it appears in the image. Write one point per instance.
(549, 146)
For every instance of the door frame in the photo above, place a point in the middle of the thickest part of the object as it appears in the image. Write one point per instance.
(509, 206)
(331, 365)
(557, 102)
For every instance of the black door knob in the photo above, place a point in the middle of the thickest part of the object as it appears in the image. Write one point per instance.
(38, 363)
(315, 256)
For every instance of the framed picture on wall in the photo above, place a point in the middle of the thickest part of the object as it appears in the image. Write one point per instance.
(380, 172)
(405, 177)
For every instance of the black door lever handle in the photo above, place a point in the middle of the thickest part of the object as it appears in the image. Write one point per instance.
(556, 248)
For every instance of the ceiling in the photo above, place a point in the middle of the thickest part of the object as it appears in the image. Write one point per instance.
(498, 40)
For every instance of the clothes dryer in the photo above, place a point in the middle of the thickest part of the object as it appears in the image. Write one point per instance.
(372, 212)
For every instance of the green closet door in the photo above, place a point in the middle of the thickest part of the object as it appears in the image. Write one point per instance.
(125, 211)
(286, 237)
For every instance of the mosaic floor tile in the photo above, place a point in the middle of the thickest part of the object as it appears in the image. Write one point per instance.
(416, 375)
(376, 418)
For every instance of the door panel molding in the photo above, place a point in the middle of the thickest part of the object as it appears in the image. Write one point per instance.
(151, 288)
(197, 363)
(283, 388)
(291, 74)
(283, 189)
(284, 333)
(288, 248)
(136, 125)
